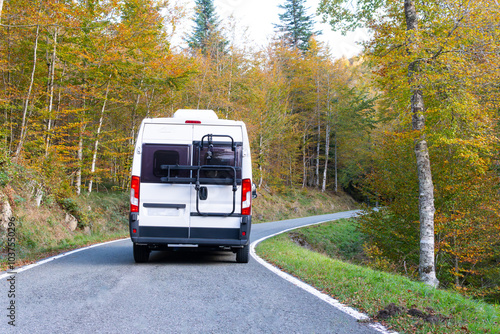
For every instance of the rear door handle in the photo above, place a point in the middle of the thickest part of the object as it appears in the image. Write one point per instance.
(203, 193)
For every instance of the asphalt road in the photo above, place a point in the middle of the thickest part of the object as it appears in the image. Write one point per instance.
(102, 290)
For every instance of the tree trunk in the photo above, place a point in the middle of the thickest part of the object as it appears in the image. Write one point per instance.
(8, 83)
(51, 93)
(134, 115)
(148, 103)
(261, 153)
(318, 145)
(28, 96)
(327, 153)
(80, 161)
(304, 160)
(230, 85)
(1, 6)
(200, 90)
(80, 143)
(426, 189)
(335, 160)
(96, 144)
(327, 133)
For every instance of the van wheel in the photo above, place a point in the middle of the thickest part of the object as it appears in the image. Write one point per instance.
(242, 254)
(141, 253)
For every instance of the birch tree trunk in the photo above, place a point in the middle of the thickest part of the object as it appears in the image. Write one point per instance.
(318, 145)
(335, 161)
(80, 161)
(28, 96)
(51, 93)
(200, 90)
(80, 144)
(230, 84)
(261, 153)
(9, 116)
(327, 153)
(134, 116)
(96, 144)
(327, 133)
(304, 161)
(426, 189)
(1, 6)
(149, 101)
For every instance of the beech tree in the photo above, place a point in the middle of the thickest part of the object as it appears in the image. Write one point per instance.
(69, 68)
(271, 124)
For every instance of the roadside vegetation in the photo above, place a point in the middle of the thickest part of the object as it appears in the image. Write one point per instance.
(55, 220)
(295, 203)
(327, 256)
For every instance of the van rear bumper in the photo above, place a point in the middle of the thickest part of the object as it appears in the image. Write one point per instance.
(158, 235)
(190, 241)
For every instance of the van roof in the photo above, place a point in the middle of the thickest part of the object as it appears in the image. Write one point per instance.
(182, 115)
(194, 114)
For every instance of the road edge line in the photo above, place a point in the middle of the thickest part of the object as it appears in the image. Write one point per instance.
(55, 257)
(309, 288)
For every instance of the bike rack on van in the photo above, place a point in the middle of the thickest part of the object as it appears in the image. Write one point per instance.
(199, 181)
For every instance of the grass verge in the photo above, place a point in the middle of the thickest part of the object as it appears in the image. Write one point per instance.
(340, 239)
(371, 291)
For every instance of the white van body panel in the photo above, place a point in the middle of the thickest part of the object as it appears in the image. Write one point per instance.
(167, 133)
(164, 194)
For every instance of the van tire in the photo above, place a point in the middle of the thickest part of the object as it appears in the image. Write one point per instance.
(243, 254)
(141, 253)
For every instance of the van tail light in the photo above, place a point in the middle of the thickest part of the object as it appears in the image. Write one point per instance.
(246, 197)
(134, 194)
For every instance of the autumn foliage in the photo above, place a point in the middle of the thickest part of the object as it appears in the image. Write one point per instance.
(79, 76)
(458, 47)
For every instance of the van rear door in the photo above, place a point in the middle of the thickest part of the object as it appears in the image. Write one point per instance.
(216, 205)
(165, 206)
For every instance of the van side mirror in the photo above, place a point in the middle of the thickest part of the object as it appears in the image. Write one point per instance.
(254, 191)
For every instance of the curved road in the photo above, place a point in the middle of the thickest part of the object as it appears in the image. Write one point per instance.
(102, 290)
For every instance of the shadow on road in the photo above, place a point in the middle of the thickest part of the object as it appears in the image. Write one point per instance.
(120, 254)
(191, 256)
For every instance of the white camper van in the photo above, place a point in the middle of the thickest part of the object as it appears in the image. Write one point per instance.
(191, 185)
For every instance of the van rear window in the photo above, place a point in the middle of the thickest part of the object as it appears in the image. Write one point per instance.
(213, 159)
(220, 154)
(154, 155)
(163, 157)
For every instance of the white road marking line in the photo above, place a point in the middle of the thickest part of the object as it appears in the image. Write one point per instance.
(335, 303)
(36, 264)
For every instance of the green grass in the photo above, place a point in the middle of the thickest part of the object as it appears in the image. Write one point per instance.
(370, 291)
(340, 239)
